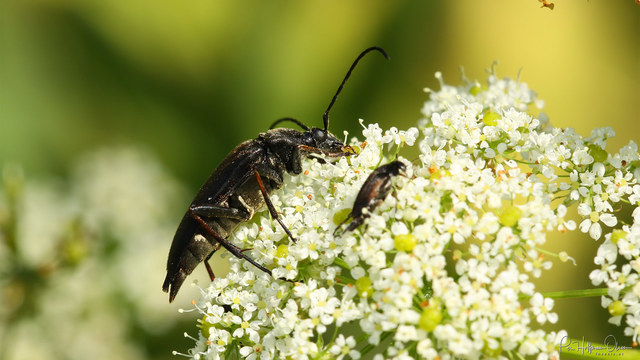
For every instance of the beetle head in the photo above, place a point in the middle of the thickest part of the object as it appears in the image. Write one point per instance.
(322, 139)
(397, 168)
(326, 141)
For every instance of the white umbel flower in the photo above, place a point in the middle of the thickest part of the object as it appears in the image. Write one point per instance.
(435, 270)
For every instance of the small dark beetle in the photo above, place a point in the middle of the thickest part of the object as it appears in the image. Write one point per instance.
(372, 193)
(240, 186)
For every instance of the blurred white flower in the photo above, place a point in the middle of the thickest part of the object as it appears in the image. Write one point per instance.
(93, 250)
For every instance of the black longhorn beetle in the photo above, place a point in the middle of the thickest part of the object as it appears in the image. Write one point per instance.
(374, 190)
(240, 186)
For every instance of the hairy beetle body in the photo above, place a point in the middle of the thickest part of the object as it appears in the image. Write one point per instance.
(239, 187)
(232, 194)
(374, 190)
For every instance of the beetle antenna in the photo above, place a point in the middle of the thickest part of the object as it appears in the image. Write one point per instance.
(295, 121)
(325, 117)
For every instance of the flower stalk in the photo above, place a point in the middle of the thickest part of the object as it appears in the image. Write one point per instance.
(569, 294)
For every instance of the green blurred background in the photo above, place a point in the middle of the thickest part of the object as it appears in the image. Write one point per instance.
(190, 80)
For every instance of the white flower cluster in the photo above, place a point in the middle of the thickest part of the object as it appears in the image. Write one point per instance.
(623, 282)
(78, 253)
(441, 269)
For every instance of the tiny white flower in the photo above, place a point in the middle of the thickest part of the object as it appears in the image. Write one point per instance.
(542, 309)
(345, 347)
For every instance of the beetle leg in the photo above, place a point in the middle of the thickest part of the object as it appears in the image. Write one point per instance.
(342, 223)
(212, 276)
(226, 244)
(318, 159)
(312, 149)
(272, 209)
(354, 224)
(212, 211)
(269, 173)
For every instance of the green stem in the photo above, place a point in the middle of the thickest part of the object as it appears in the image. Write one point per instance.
(343, 264)
(518, 160)
(381, 157)
(384, 336)
(12, 187)
(575, 293)
(345, 280)
(333, 337)
(567, 294)
(547, 252)
(559, 197)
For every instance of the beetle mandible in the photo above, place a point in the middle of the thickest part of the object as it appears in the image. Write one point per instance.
(374, 190)
(240, 186)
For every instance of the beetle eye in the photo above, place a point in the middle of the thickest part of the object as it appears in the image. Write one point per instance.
(319, 134)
